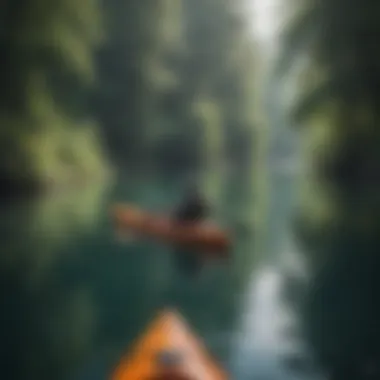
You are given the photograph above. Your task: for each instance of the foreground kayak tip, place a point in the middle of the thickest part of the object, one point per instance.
(168, 351)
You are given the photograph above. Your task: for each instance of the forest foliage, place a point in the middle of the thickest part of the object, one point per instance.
(334, 43)
(336, 107)
(165, 83)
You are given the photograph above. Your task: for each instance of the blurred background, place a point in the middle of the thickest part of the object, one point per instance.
(270, 107)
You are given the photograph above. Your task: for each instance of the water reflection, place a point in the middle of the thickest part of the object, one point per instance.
(47, 321)
(32, 233)
(271, 341)
(73, 299)
(341, 310)
(270, 344)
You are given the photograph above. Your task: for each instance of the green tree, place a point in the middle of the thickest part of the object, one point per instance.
(47, 74)
(160, 62)
(337, 102)
(337, 98)
(132, 69)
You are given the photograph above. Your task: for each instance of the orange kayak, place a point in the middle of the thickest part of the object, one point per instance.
(168, 351)
(200, 236)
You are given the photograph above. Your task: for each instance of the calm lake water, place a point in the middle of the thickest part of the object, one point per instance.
(73, 297)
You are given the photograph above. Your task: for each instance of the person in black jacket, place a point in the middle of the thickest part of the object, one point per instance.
(191, 210)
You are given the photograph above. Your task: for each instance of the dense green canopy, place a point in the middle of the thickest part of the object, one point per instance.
(166, 83)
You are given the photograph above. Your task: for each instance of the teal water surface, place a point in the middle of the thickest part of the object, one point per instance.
(74, 297)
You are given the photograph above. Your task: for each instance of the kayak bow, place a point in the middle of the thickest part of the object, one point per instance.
(168, 351)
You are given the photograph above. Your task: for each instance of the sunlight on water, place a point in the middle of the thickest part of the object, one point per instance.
(263, 312)
(262, 344)
(257, 338)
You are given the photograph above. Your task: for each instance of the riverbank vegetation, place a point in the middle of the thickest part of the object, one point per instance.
(336, 109)
(131, 83)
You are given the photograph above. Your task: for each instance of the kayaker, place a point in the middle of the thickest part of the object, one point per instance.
(191, 210)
